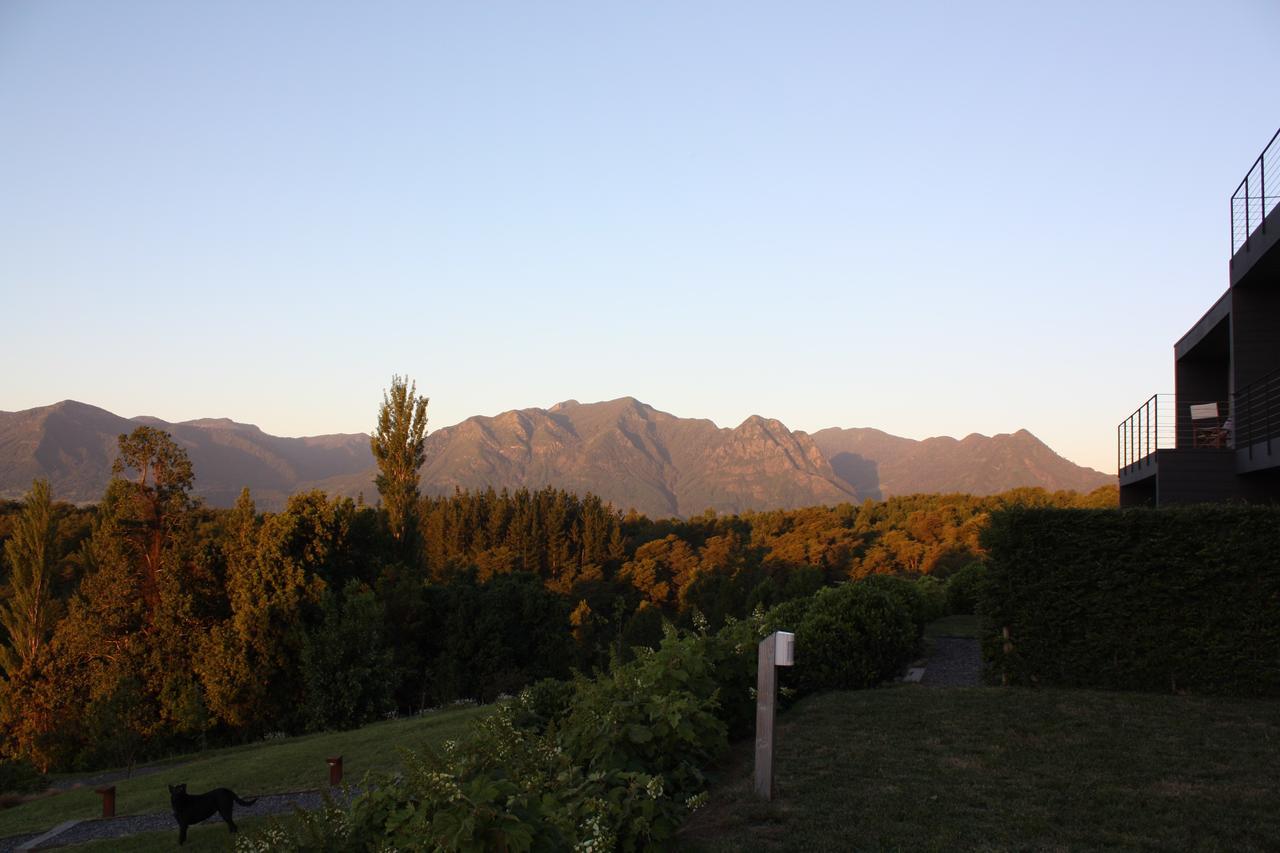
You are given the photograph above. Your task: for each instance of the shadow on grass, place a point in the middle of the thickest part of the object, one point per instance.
(911, 768)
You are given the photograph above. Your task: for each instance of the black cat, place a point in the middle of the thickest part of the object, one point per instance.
(193, 808)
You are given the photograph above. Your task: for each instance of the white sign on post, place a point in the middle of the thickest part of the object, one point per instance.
(777, 649)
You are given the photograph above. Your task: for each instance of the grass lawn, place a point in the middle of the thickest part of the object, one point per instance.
(955, 626)
(915, 768)
(290, 764)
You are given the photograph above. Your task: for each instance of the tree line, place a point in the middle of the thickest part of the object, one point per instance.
(151, 623)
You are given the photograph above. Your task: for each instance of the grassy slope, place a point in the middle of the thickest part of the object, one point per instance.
(915, 768)
(291, 764)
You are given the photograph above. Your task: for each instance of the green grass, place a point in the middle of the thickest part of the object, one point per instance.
(292, 764)
(915, 768)
(955, 626)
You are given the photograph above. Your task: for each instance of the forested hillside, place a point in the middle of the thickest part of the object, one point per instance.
(168, 624)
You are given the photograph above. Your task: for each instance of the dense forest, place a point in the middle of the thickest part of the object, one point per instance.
(149, 623)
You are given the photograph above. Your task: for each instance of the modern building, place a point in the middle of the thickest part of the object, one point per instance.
(1217, 437)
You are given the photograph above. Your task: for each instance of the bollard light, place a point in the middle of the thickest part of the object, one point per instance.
(335, 771)
(785, 648)
(777, 649)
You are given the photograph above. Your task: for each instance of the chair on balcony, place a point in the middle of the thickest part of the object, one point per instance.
(1214, 433)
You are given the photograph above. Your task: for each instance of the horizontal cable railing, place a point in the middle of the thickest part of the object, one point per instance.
(1166, 423)
(1258, 411)
(1147, 430)
(1256, 196)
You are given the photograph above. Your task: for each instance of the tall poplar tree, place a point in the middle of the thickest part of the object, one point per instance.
(28, 614)
(399, 446)
(155, 502)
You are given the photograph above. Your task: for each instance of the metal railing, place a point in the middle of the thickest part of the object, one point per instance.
(1166, 423)
(1258, 411)
(1253, 199)
(1147, 430)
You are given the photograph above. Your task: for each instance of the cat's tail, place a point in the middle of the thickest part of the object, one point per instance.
(247, 802)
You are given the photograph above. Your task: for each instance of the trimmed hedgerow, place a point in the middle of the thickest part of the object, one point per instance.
(1169, 600)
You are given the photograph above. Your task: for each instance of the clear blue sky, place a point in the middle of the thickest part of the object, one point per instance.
(934, 218)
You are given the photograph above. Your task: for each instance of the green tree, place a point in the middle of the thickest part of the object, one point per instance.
(347, 667)
(398, 445)
(28, 616)
(276, 578)
(156, 501)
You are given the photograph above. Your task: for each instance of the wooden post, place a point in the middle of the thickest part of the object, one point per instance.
(777, 649)
(108, 795)
(766, 693)
(335, 771)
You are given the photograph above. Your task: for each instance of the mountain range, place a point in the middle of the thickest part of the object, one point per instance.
(626, 451)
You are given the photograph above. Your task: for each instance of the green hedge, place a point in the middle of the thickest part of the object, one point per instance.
(1169, 600)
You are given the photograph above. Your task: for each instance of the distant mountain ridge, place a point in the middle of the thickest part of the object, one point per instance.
(73, 445)
(626, 451)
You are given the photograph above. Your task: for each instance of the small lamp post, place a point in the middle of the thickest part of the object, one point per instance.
(777, 649)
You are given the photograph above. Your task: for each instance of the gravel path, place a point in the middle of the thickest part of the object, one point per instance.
(115, 827)
(955, 662)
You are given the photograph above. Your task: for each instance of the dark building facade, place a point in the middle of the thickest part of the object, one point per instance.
(1217, 437)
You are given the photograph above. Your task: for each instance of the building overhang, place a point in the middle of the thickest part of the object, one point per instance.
(1220, 311)
(1257, 255)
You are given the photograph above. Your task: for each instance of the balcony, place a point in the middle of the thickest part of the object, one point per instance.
(1253, 200)
(1174, 451)
(1163, 423)
(1257, 435)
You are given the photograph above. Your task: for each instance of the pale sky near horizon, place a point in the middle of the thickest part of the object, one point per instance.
(932, 218)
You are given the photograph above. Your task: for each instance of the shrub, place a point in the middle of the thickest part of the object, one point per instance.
(934, 591)
(964, 588)
(19, 777)
(852, 636)
(1178, 599)
(656, 714)
(617, 765)
(620, 771)
(731, 654)
(543, 703)
(505, 788)
(788, 615)
(910, 594)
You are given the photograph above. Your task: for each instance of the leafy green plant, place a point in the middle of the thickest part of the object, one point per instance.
(20, 777)
(964, 588)
(910, 594)
(504, 788)
(657, 714)
(543, 703)
(346, 665)
(852, 636)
